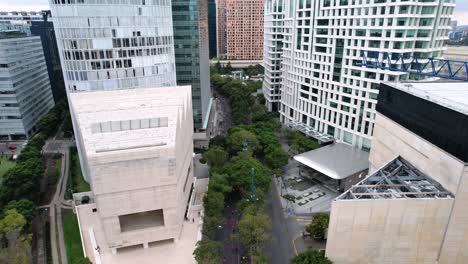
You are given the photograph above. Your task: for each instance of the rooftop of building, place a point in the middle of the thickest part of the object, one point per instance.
(456, 50)
(397, 179)
(13, 33)
(452, 95)
(337, 161)
(121, 120)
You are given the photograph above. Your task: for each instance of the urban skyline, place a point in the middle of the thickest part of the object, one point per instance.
(460, 13)
(234, 131)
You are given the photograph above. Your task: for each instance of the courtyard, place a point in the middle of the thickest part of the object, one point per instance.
(300, 195)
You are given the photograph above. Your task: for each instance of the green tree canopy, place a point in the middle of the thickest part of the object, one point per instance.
(318, 225)
(235, 141)
(216, 156)
(254, 229)
(213, 203)
(276, 158)
(208, 252)
(24, 207)
(310, 257)
(239, 173)
(219, 183)
(218, 141)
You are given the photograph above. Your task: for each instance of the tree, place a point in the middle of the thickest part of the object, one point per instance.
(236, 139)
(217, 80)
(318, 225)
(208, 252)
(18, 249)
(254, 229)
(228, 69)
(276, 158)
(218, 67)
(24, 207)
(218, 141)
(210, 226)
(213, 203)
(311, 257)
(216, 156)
(219, 183)
(239, 173)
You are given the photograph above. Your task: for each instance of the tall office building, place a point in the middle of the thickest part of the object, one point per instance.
(138, 157)
(191, 45)
(24, 85)
(321, 86)
(221, 28)
(272, 50)
(240, 29)
(45, 29)
(244, 29)
(18, 21)
(212, 28)
(122, 45)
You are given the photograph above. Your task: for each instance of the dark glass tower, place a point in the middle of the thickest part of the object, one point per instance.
(45, 30)
(190, 23)
(212, 28)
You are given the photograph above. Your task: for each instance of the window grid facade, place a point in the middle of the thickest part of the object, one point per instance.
(272, 50)
(25, 92)
(190, 21)
(244, 29)
(129, 47)
(322, 87)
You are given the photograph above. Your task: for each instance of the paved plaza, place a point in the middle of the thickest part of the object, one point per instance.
(309, 197)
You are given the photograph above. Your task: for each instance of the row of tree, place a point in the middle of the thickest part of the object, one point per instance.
(251, 143)
(20, 189)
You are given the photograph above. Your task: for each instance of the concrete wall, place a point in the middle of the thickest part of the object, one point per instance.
(455, 248)
(129, 171)
(391, 140)
(387, 231)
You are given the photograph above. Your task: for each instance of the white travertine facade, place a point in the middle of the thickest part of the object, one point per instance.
(391, 139)
(137, 152)
(110, 45)
(321, 86)
(410, 230)
(387, 231)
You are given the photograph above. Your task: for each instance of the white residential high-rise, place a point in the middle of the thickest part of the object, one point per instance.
(123, 45)
(322, 87)
(272, 50)
(25, 90)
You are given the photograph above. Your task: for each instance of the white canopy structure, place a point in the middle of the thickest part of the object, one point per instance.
(337, 161)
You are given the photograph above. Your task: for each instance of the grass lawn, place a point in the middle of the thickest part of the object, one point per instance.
(75, 183)
(79, 184)
(5, 164)
(72, 237)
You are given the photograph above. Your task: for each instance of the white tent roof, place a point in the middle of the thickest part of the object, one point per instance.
(337, 161)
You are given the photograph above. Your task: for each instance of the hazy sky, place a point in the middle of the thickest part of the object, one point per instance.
(460, 14)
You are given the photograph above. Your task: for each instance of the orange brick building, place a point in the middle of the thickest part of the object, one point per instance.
(243, 20)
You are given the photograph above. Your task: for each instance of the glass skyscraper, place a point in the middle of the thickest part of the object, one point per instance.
(212, 27)
(190, 23)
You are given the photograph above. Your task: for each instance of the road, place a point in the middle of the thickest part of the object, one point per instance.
(59, 254)
(223, 112)
(281, 249)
